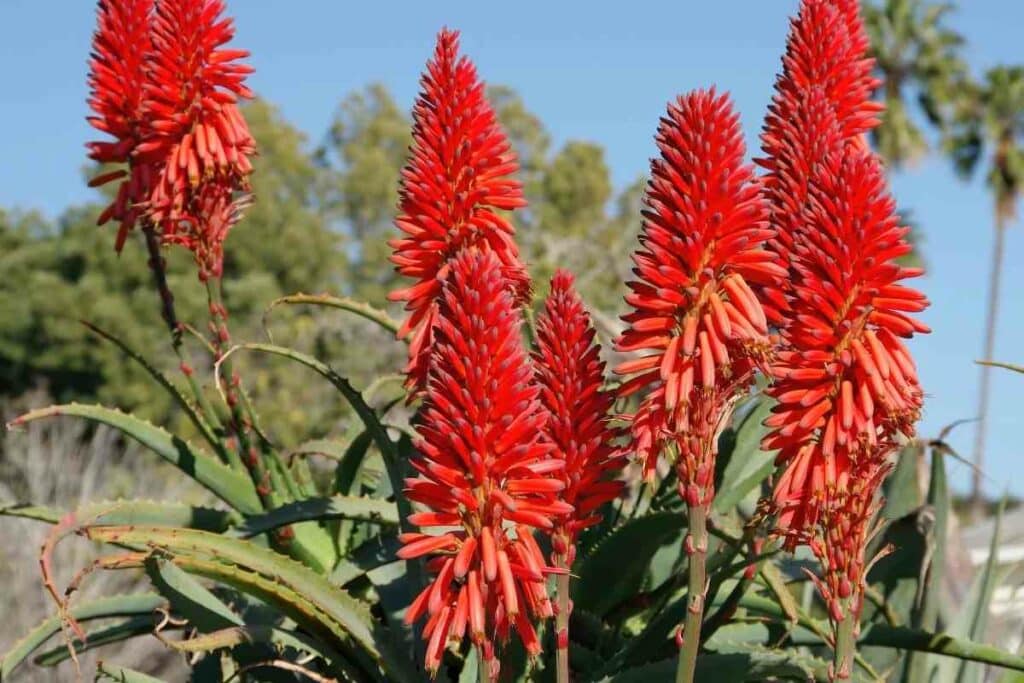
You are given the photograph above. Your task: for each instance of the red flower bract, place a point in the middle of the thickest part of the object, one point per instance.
(570, 373)
(693, 308)
(199, 138)
(117, 74)
(485, 471)
(456, 182)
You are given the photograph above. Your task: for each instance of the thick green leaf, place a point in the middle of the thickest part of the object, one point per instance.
(119, 674)
(134, 512)
(368, 416)
(347, 473)
(901, 490)
(108, 635)
(230, 486)
(189, 598)
(738, 666)
(972, 620)
(926, 615)
(747, 464)
(170, 387)
(336, 507)
(628, 554)
(277, 639)
(105, 608)
(305, 595)
(363, 310)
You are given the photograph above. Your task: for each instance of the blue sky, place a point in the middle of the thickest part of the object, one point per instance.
(594, 71)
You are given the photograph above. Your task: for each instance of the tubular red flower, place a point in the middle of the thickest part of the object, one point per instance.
(693, 308)
(570, 373)
(117, 75)
(199, 140)
(482, 463)
(453, 188)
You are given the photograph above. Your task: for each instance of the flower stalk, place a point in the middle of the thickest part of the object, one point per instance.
(697, 554)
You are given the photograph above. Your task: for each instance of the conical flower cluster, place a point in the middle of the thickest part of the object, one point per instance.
(694, 314)
(453, 192)
(571, 375)
(846, 386)
(199, 137)
(486, 476)
(165, 87)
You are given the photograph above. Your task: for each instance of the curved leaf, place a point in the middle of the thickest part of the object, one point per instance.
(1005, 366)
(116, 633)
(638, 553)
(363, 310)
(119, 674)
(104, 608)
(170, 387)
(302, 593)
(899, 637)
(133, 512)
(747, 465)
(189, 598)
(230, 486)
(336, 507)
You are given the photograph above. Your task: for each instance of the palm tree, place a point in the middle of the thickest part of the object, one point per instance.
(989, 130)
(914, 53)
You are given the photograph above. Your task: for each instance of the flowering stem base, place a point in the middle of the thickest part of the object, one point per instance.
(697, 549)
(562, 627)
(845, 647)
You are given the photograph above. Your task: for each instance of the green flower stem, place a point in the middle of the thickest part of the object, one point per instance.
(158, 267)
(697, 549)
(562, 623)
(240, 425)
(845, 643)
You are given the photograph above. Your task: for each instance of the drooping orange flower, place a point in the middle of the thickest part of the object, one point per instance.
(694, 313)
(200, 142)
(453, 191)
(486, 479)
(117, 74)
(570, 373)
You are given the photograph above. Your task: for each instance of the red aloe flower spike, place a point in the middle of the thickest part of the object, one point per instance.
(117, 76)
(482, 463)
(823, 97)
(453, 190)
(701, 247)
(199, 138)
(693, 307)
(570, 373)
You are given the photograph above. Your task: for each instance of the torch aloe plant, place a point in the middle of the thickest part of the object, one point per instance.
(504, 533)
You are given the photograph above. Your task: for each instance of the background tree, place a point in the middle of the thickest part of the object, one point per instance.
(989, 133)
(916, 55)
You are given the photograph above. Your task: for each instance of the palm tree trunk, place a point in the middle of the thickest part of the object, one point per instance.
(995, 276)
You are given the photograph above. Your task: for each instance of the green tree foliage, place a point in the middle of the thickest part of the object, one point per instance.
(54, 274)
